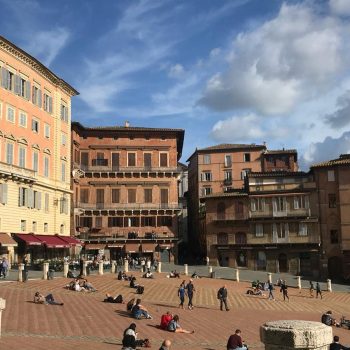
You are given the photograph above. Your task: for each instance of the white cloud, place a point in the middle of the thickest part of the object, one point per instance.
(215, 52)
(340, 7)
(176, 71)
(329, 148)
(245, 128)
(341, 116)
(46, 45)
(283, 62)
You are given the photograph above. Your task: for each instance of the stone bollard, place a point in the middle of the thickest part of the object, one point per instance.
(65, 268)
(329, 285)
(126, 265)
(20, 272)
(100, 267)
(295, 334)
(159, 267)
(84, 268)
(45, 270)
(299, 282)
(210, 270)
(269, 277)
(186, 269)
(113, 266)
(236, 275)
(2, 307)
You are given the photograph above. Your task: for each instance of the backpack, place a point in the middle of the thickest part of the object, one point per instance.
(140, 289)
(119, 299)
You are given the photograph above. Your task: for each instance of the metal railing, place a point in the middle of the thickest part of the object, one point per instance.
(123, 206)
(117, 168)
(16, 170)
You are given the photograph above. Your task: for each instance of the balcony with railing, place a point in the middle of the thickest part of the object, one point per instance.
(101, 166)
(128, 206)
(288, 238)
(268, 212)
(17, 173)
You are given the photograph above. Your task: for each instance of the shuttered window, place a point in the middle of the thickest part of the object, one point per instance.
(164, 198)
(131, 159)
(46, 202)
(147, 160)
(3, 193)
(131, 195)
(84, 195)
(148, 195)
(115, 195)
(163, 160)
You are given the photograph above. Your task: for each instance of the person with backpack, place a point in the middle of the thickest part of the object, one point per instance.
(222, 296)
(271, 288)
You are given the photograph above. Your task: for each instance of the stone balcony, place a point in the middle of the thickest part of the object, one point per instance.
(17, 173)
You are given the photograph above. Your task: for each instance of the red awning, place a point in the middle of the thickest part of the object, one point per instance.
(29, 238)
(6, 240)
(148, 247)
(95, 246)
(132, 247)
(53, 241)
(71, 241)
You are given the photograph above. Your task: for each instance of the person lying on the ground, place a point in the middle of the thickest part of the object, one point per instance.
(138, 311)
(165, 319)
(329, 320)
(255, 291)
(118, 299)
(49, 299)
(174, 326)
(88, 286)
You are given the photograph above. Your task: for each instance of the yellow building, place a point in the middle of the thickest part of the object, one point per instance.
(35, 137)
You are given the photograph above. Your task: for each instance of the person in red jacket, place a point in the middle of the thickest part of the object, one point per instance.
(235, 342)
(165, 319)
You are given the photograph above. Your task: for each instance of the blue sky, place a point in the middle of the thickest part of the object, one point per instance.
(227, 71)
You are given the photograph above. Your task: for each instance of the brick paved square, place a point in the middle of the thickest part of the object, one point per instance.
(85, 321)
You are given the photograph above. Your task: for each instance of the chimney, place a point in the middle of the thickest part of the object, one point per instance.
(127, 124)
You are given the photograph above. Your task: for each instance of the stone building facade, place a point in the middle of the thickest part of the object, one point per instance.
(126, 189)
(35, 129)
(222, 169)
(333, 184)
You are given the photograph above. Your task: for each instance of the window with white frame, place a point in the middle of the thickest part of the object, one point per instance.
(9, 153)
(330, 175)
(22, 119)
(64, 112)
(206, 191)
(206, 158)
(10, 115)
(47, 103)
(228, 175)
(34, 226)
(63, 139)
(22, 87)
(228, 160)
(47, 130)
(259, 230)
(7, 79)
(22, 157)
(35, 125)
(244, 173)
(23, 225)
(37, 96)
(246, 157)
(301, 202)
(280, 230)
(46, 227)
(303, 229)
(46, 166)
(63, 172)
(35, 161)
(279, 204)
(206, 176)
(257, 204)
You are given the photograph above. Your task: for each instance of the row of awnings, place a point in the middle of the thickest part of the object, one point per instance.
(128, 247)
(49, 241)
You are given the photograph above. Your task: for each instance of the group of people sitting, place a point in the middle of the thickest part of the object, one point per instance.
(130, 341)
(133, 284)
(328, 319)
(148, 274)
(174, 274)
(171, 323)
(122, 276)
(81, 285)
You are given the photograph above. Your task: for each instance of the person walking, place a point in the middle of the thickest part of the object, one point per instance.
(311, 288)
(270, 288)
(222, 296)
(336, 345)
(190, 290)
(4, 267)
(284, 290)
(181, 293)
(318, 290)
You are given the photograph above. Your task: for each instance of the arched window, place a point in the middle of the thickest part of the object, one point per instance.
(221, 210)
(222, 238)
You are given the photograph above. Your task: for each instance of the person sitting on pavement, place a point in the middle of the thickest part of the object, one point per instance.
(194, 275)
(133, 283)
(235, 342)
(148, 274)
(165, 319)
(78, 287)
(174, 326)
(165, 345)
(131, 331)
(138, 311)
(329, 320)
(336, 345)
(174, 274)
(48, 300)
(118, 299)
(130, 304)
(120, 276)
